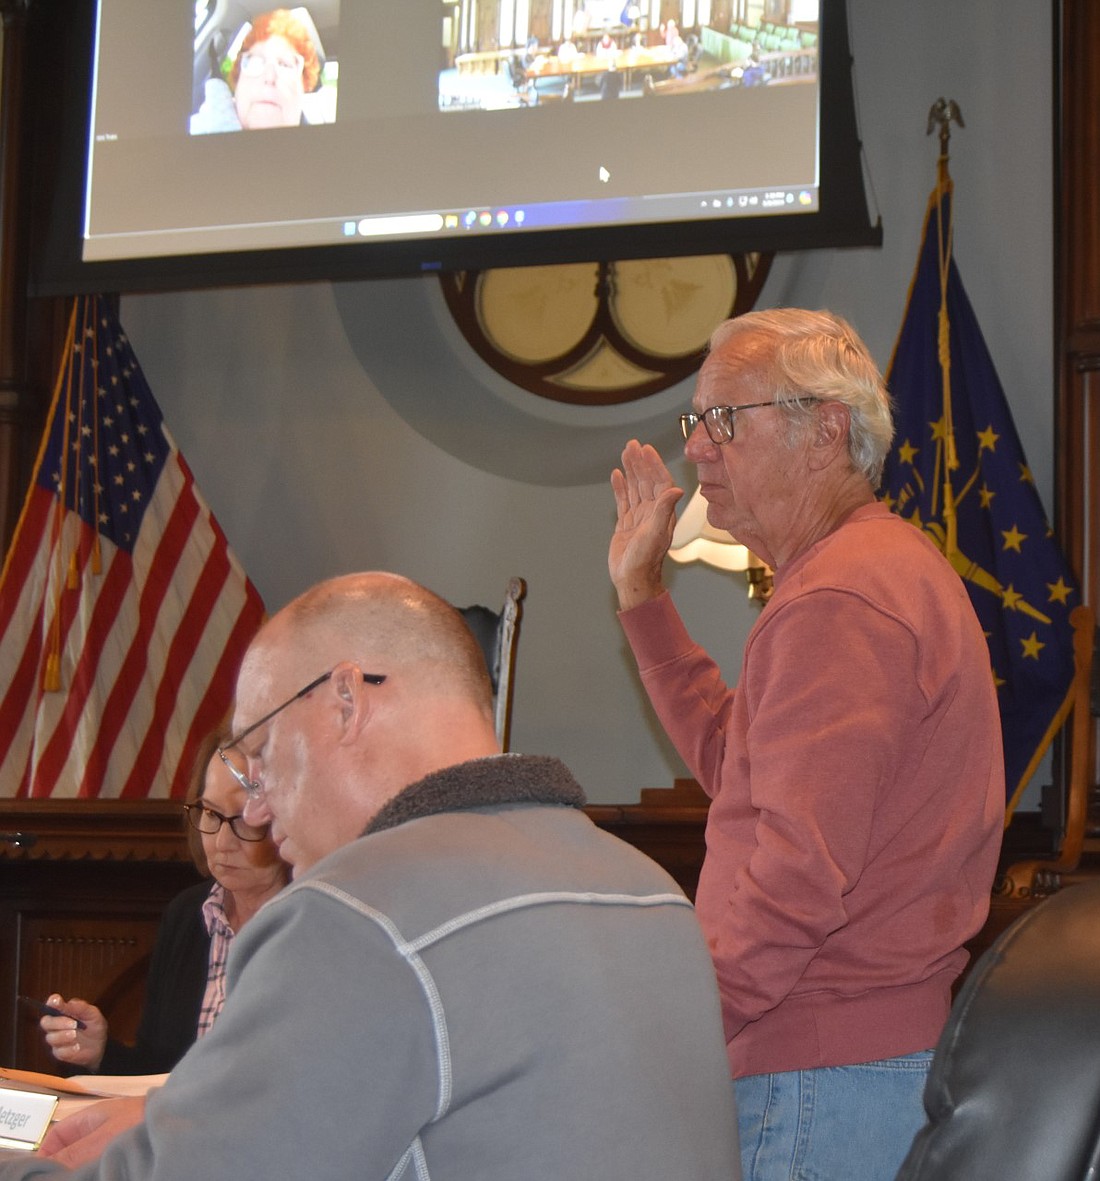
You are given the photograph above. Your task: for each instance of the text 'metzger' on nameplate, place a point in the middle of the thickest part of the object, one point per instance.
(24, 1118)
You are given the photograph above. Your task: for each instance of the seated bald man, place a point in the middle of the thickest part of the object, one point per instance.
(466, 978)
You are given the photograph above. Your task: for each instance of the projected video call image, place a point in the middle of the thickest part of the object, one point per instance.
(256, 68)
(500, 57)
(421, 101)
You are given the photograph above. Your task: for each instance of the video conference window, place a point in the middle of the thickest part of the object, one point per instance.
(261, 69)
(399, 163)
(608, 49)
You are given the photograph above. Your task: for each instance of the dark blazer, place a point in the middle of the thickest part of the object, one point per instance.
(173, 993)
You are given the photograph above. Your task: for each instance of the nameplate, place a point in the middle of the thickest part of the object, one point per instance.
(24, 1118)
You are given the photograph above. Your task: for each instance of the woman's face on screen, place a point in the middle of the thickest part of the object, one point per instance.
(269, 85)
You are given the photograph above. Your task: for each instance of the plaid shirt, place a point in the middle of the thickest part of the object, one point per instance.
(221, 935)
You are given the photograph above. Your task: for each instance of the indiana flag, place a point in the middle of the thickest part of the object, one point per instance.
(958, 472)
(123, 613)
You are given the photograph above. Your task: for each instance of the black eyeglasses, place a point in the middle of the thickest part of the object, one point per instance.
(250, 785)
(718, 421)
(209, 820)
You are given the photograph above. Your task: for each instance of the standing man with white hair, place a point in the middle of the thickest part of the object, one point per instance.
(855, 769)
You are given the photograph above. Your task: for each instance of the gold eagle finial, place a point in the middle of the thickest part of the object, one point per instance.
(944, 112)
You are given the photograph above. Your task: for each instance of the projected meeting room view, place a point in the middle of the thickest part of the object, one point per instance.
(509, 54)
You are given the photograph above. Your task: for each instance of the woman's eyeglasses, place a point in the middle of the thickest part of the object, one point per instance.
(209, 820)
(286, 65)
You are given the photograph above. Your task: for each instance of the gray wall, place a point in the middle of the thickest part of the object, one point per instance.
(349, 427)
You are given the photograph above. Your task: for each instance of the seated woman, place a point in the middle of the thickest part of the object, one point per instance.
(277, 65)
(186, 983)
(568, 51)
(606, 47)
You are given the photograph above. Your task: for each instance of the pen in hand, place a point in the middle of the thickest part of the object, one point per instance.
(50, 1010)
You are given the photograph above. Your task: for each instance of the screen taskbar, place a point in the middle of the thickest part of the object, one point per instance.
(608, 211)
(537, 215)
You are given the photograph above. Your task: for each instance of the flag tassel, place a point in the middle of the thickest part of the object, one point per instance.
(51, 678)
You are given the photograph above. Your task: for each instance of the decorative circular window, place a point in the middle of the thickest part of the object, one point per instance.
(602, 333)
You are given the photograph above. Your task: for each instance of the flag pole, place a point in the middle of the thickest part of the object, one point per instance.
(51, 670)
(944, 112)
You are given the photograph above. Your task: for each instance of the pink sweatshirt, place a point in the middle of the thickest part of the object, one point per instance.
(858, 796)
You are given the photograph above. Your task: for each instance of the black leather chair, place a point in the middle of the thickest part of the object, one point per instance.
(1014, 1091)
(611, 84)
(517, 71)
(498, 633)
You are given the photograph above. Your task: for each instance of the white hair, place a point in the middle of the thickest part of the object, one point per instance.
(805, 354)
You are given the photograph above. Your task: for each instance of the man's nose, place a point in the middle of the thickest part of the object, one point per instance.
(698, 446)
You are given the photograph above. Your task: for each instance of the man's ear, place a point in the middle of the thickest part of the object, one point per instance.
(834, 421)
(347, 683)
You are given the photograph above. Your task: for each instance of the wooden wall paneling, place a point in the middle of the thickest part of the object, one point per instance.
(1077, 310)
(121, 830)
(31, 330)
(1078, 291)
(103, 960)
(82, 928)
(667, 824)
(79, 908)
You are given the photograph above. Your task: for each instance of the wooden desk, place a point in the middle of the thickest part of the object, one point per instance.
(487, 62)
(590, 65)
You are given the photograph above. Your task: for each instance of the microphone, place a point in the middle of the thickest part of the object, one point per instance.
(21, 840)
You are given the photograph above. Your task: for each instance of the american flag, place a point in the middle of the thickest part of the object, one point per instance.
(123, 612)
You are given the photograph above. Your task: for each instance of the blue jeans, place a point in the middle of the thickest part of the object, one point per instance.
(837, 1123)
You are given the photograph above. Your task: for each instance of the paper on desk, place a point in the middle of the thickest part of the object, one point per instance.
(90, 1086)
